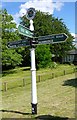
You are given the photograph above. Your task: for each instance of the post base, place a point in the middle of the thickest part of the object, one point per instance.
(34, 108)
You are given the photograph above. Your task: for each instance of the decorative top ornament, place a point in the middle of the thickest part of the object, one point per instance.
(30, 13)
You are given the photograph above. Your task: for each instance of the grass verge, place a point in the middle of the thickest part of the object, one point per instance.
(56, 97)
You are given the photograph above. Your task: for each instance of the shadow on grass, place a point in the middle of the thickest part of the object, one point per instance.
(13, 111)
(28, 68)
(49, 117)
(12, 71)
(7, 72)
(71, 82)
(41, 117)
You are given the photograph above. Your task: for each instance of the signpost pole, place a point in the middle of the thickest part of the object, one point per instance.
(49, 39)
(33, 76)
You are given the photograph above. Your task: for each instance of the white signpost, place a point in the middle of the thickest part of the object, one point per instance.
(33, 76)
(31, 41)
(30, 15)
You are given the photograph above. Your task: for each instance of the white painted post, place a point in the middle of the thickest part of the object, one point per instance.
(33, 76)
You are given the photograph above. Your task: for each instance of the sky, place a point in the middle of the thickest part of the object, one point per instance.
(64, 10)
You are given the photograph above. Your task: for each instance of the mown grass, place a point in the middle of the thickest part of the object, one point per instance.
(14, 78)
(56, 97)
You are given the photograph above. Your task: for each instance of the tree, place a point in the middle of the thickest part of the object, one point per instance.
(43, 56)
(46, 24)
(43, 24)
(60, 49)
(0, 43)
(10, 57)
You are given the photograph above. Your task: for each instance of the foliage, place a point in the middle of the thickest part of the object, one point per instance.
(43, 56)
(44, 24)
(61, 49)
(25, 52)
(53, 65)
(10, 57)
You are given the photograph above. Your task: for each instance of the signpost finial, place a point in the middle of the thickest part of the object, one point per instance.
(30, 13)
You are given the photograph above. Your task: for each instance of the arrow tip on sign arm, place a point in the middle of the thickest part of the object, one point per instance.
(66, 36)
